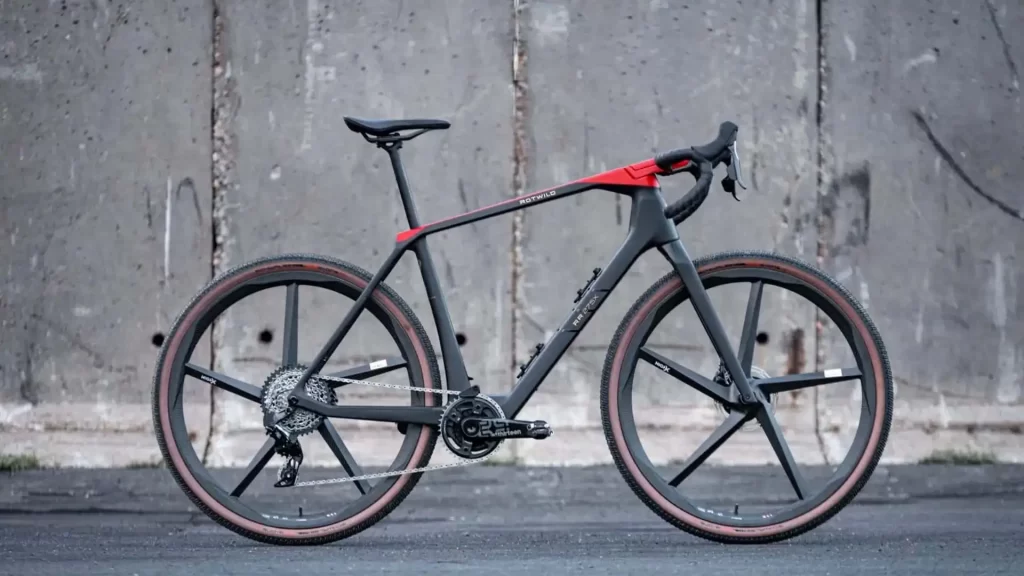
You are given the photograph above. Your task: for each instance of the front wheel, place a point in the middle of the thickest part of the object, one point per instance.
(860, 388)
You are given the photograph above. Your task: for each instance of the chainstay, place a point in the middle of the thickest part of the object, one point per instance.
(386, 385)
(462, 462)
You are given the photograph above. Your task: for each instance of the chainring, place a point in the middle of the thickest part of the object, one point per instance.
(451, 426)
(274, 399)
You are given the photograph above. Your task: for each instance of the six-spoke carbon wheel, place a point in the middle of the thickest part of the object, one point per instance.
(231, 311)
(794, 394)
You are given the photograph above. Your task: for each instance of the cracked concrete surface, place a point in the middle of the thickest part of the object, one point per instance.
(520, 163)
(996, 15)
(224, 180)
(823, 220)
(105, 156)
(951, 162)
(939, 266)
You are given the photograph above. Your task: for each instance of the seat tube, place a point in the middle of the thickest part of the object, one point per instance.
(454, 365)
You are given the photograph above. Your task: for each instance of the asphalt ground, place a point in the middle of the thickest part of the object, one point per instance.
(506, 520)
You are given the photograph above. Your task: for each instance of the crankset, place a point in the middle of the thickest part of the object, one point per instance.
(474, 425)
(490, 428)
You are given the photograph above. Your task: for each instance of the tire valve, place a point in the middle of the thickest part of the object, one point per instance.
(735, 510)
(300, 511)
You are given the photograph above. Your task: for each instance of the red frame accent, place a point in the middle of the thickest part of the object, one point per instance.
(406, 234)
(632, 175)
(638, 174)
(648, 167)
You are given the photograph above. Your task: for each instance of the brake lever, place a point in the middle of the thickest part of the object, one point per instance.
(734, 173)
(735, 170)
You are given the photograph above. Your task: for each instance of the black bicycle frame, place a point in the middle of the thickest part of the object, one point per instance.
(648, 228)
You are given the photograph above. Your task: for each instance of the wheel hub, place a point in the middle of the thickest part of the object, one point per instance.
(451, 426)
(756, 373)
(274, 399)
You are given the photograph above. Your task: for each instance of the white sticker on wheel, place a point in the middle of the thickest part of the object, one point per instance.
(378, 364)
(833, 373)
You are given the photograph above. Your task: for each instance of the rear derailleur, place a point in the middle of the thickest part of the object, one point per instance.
(287, 445)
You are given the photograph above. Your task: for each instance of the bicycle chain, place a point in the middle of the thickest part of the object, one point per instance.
(460, 463)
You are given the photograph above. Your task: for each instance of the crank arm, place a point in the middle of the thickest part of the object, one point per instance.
(491, 428)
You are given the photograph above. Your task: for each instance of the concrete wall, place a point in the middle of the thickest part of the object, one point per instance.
(303, 182)
(614, 83)
(924, 215)
(105, 163)
(904, 187)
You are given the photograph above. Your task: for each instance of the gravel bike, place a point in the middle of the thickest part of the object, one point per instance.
(298, 399)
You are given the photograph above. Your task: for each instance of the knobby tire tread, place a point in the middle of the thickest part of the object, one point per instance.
(435, 378)
(608, 387)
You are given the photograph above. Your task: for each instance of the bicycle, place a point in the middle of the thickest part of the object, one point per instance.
(297, 400)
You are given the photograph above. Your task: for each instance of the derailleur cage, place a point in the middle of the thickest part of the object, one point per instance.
(285, 444)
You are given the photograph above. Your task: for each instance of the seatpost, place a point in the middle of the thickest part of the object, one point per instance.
(403, 186)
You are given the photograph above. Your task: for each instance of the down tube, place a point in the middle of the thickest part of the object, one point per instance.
(637, 242)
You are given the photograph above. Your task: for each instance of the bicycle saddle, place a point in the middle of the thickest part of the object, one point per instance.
(385, 127)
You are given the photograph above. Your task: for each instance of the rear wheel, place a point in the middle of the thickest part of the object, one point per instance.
(811, 496)
(245, 500)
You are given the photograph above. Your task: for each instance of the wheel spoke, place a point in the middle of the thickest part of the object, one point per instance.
(798, 381)
(348, 462)
(774, 433)
(255, 467)
(243, 389)
(290, 354)
(370, 370)
(733, 423)
(749, 335)
(701, 384)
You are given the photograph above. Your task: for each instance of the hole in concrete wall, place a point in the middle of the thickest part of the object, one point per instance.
(158, 339)
(762, 338)
(266, 336)
(460, 338)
